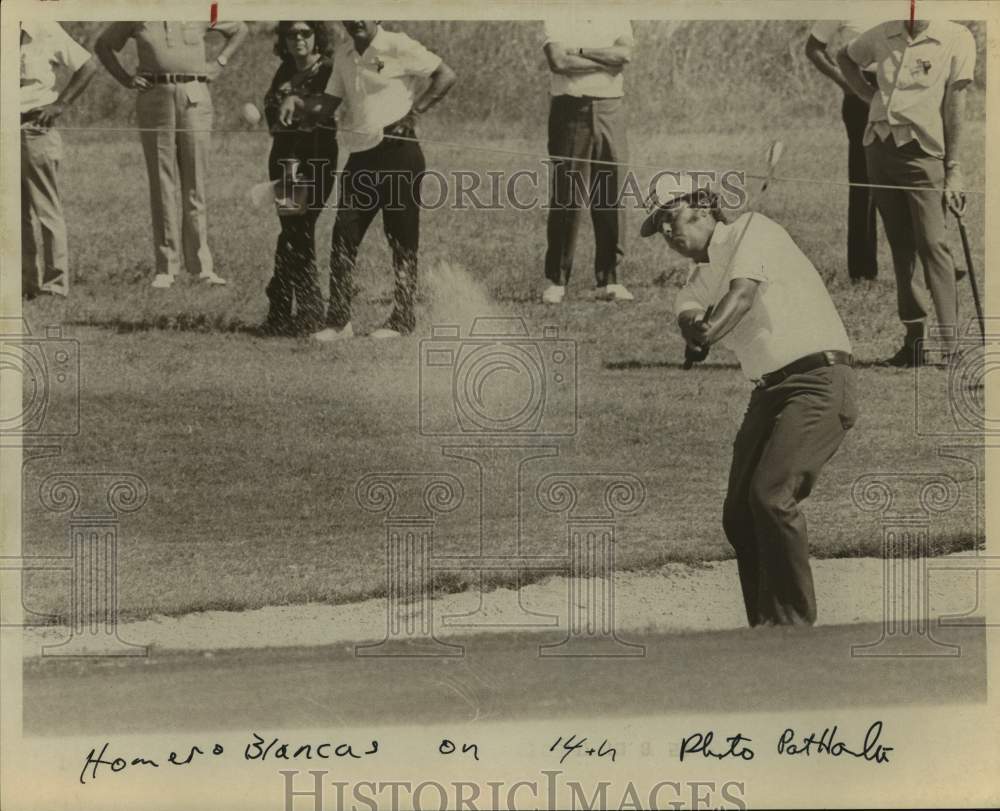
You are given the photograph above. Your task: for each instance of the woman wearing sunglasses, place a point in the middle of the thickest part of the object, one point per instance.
(304, 159)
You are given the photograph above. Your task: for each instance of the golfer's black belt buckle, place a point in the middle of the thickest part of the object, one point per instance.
(805, 364)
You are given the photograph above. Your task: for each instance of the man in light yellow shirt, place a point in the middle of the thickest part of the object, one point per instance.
(913, 139)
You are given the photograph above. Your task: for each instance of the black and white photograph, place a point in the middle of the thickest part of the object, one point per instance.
(498, 406)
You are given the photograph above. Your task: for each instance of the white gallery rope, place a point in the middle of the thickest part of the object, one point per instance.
(528, 154)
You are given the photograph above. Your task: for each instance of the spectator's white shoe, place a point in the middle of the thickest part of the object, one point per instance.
(554, 294)
(331, 334)
(211, 278)
(613, 292)
(161, 281)
(385, 332)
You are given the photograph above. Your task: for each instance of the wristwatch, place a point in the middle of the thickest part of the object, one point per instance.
(222, 59)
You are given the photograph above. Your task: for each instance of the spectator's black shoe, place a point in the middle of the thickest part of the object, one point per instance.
(907, 357)
(274, 328)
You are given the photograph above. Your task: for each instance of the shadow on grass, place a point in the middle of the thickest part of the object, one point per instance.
(168, 322)
(625, 365)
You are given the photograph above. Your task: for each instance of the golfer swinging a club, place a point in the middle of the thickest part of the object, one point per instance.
(766, 302)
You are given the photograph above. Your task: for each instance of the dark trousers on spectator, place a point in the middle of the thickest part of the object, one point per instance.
(41, 211)
(582, 130)
(384, 178)
(862, 237)
(789, 432)
(915, 226)
(295, 280)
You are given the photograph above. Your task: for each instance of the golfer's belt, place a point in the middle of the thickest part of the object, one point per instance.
(175, 78)
(809, 363)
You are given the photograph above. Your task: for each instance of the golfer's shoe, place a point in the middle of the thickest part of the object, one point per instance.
(613, 292)
(385, 332)
(331, 334)
(161, 281)
(211, 278)
(554, 294)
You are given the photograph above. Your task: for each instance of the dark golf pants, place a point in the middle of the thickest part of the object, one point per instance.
(915, 226)
(862, 237)
(583, 130)
(789, 432)
(384, 178)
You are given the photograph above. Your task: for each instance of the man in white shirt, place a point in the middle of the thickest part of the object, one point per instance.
(588, 146)
(771, 308)
(826, 38)
(381, 82)
(45, 46)
(914, 139)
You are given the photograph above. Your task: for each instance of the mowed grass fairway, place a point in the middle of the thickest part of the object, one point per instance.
(251, 448)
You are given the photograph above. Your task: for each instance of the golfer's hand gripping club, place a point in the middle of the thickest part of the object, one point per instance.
(693, 354)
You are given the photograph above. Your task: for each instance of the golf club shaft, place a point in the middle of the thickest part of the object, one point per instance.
(972, 275)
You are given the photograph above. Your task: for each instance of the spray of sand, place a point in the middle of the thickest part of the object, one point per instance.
(455, 297)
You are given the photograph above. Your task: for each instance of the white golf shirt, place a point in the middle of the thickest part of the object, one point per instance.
(792, 314)
(45, 46)
(600, 33)
(837, 34)
(378, 87)
(913, 77)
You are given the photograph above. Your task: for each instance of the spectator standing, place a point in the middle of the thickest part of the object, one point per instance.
(384, 80)
(914, 140)
(45, 46)
(175, 114)
(304, 158)
(588, 147)
(826, 38)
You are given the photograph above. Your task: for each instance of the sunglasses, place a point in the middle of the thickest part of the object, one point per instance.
(299, 33)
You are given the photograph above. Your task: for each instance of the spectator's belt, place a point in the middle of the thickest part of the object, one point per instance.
(808, 363)
(175, 78)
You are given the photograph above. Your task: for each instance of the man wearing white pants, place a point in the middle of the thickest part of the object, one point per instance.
(174, 113)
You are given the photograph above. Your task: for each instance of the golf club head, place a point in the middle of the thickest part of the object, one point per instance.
(774, 153)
